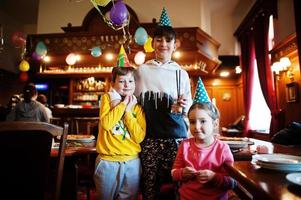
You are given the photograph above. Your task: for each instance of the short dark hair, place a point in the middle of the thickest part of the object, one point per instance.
(29, 91)
(121, 71)
(165, 31)
(42, 99)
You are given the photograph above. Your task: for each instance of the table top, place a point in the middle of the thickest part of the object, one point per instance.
(77, 148)
(265, 183)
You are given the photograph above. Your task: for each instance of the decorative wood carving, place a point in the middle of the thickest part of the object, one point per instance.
(285, 48)
(199, 50)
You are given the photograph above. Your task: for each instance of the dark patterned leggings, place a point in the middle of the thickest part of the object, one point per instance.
(157, 158)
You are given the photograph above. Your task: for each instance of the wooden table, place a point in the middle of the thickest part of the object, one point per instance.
(73, 153)
(78, 148)
(259, 183)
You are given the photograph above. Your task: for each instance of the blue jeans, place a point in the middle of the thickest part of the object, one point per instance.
(117, 180)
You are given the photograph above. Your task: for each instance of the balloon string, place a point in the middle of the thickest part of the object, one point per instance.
(109, 23)
(124, 33)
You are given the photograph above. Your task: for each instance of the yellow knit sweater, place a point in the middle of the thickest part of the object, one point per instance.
(120, 133)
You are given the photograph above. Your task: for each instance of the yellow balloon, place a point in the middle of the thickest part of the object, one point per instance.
(24, 66)
(148, 45)
(102, 2)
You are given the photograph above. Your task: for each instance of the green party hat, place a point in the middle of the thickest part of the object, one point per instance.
(164, 19)
(122, 60)
(201, 95)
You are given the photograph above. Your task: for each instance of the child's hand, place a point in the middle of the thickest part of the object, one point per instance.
(178, 105)
(188, 173)
(126, 100)
(182, 101)
(131, 103)
(203, 176)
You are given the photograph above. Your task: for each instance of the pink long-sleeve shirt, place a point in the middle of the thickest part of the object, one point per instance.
(212, 157)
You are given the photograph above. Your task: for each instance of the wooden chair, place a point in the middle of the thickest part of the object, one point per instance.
(82, 124)
(25, 153)
(59, 121)
(86, 163)
(56, 121)
(92, 128)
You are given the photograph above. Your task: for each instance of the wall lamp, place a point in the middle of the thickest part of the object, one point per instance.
(281, 65)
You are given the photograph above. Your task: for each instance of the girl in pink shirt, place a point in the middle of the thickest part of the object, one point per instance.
(199, 162)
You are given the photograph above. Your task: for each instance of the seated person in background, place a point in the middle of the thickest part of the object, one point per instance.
(29, 109)
(291, 135)
(121, 130)
(200, 159)
(16, 98)
(43, 100)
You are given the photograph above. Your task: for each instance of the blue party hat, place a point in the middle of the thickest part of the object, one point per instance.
(201, 95)
(164, 19)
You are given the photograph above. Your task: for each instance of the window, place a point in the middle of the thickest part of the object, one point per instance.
(260, 114)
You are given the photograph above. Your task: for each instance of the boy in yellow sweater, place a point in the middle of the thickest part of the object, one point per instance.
(121, 130)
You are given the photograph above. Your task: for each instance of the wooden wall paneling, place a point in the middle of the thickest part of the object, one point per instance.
(288, 48)
(293, 109)
(229, 98)
(238, 85)
(210, 92)
(240, 100)
(227, 103)
(71, 91)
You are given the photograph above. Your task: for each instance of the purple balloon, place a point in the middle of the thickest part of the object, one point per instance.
(119, 13)
(36, 56)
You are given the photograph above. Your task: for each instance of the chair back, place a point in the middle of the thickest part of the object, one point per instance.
(25, 153)
(83, 124)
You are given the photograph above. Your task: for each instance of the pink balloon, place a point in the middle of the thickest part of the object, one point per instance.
(18, 39)
(119, 13)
